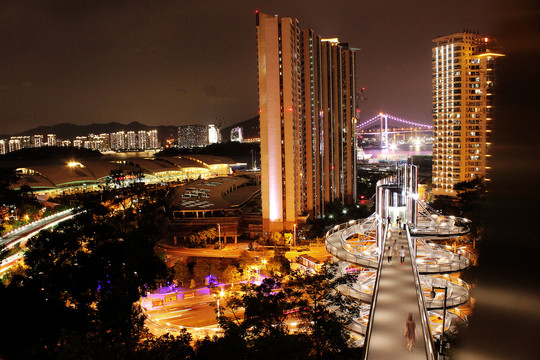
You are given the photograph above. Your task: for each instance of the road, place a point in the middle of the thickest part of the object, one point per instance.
(21, 235)
(234, 251)
(230, 251)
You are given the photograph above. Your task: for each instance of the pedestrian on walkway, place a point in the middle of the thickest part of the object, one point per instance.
(402, 255)
(389, 254)
(398, 221)
(410, 332)
(389, 220)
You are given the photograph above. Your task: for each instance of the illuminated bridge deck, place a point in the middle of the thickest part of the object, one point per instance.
(396, 299)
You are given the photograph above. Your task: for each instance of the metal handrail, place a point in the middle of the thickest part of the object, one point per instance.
(374, 299)
(426, 330)
(339, 251)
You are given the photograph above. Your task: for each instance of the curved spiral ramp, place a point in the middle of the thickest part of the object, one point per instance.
(354, 245)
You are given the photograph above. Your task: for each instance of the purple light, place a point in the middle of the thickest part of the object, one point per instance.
(379, 117)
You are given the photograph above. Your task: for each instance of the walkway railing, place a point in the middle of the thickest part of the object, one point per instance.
(374, 301)
(336, 241)
(424, 317)
(458, 292)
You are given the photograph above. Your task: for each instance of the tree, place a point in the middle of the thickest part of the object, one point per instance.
(245, 260)
(324, 311)
(231, 274)
(321, 311)
(262, 329)
(80, 286)
(182, 273)
(204, 267)
(166, 347)
(202, 237)
(470, 192)
(275, 238)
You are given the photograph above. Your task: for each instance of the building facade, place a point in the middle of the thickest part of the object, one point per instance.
(51, 139)
(190, 136)
(463, 83)
(307, 124)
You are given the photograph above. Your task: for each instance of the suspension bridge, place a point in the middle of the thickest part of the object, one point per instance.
(387, 126)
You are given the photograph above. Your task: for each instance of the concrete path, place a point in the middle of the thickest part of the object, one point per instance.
(396, 299)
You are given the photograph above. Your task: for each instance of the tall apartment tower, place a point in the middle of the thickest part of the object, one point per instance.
(307, 125)
(464, 66)
(38, 141)
(51, 139)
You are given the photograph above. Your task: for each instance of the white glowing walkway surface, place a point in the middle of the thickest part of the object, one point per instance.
(396, 299)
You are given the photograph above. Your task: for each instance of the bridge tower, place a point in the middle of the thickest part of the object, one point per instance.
(384, 130)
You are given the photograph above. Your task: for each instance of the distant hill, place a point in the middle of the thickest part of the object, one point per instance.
(250, 129)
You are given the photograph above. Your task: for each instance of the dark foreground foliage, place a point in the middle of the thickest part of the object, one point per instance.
(77, 298)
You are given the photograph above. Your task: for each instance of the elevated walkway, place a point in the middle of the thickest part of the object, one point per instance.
(396, 299)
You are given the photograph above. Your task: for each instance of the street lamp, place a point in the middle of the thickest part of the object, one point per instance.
(294, 236)
(219, 296)
(432, 293)
(219, 235)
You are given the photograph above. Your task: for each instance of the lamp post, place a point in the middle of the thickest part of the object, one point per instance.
(444, 311)
(294, 236)
(219, 235)
(219, 296)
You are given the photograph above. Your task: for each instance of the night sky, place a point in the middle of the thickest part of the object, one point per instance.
(183, 62)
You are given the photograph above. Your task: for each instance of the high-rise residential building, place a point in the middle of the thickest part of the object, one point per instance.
(190, 136)
(213, 134)
(23, 141)
(153, 142)
(14, 144)
(117, 140)
(105, 137)
(131, 140)
(237, 134)
(38, 140)
(464, 66)
(51, 139)
(142, 140)
(307, 122)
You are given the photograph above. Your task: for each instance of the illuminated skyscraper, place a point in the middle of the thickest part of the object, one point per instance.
(153, 142)
(14, 144)
(38, 141)
(464, 83)
(117, 140)
(307, 124)
(190, 136)
(142, 140)
(131, 140)
(213, 134)
(237, 134)
(51, 139)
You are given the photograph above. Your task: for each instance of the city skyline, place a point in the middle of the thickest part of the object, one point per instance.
(99, 63)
